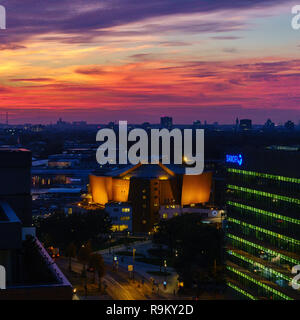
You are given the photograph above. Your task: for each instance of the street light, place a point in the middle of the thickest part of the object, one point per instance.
(165, 265)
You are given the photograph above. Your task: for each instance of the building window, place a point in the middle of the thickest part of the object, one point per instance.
(125, 218)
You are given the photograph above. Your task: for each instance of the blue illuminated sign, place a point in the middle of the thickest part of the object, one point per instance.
(234, 159)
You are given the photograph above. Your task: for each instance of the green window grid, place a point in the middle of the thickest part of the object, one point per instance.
(264, 175)
(243, 292)
(264, 194)
(263, 212)
(266, 287)
(271, 233)
(241, 257)
(259, 247)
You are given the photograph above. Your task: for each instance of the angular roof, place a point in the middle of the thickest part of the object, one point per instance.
(146, 171)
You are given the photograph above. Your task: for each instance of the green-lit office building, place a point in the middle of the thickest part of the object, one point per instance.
(263, 222)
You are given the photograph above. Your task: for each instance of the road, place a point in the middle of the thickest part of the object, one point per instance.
(118, 285)
(142, 268)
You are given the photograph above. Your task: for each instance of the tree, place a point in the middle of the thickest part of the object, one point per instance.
(97, 262)
(77, 228)
(71, 253)
(199, 248)
(47, 240)
(84, 256)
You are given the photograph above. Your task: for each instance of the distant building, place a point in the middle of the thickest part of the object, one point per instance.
(121, 216)
(210, 215)
(245, 124)
(197, 124)
(30, 272)
(147, 187)
(60, 122)
(111, 125)
(64, 160)
(269, 125)
(146, 125)
(289, 125)
(166, 122)
(79, 123)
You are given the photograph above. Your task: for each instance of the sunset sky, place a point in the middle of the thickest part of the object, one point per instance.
(136, 60)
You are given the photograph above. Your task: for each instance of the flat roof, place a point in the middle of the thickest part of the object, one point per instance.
(270, 161)
(15, 157)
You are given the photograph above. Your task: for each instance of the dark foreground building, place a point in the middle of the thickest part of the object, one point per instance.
(29, 271)
(263, 223)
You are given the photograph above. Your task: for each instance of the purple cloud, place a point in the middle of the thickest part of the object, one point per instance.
(84, 19)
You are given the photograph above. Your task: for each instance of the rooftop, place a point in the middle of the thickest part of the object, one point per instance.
(146, 171)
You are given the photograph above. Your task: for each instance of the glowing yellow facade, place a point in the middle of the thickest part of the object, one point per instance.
(105, 189)
(148, 188)
(196, 188)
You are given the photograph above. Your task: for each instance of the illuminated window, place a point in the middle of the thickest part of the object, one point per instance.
(121, 227)
(259, 247)
(264, 194)
(165, 216)
(263, 285)
(264, 175)
(255, 263)
(265, 231)
(125, 218)
(248, 295)
(263, 212)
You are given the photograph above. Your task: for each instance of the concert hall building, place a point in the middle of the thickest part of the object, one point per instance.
(148, 187)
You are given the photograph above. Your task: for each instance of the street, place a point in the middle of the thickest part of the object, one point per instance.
(117, 283)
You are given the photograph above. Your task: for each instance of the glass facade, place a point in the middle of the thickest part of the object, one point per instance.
(263, 234)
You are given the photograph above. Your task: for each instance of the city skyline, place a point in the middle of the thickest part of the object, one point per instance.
(100, 61)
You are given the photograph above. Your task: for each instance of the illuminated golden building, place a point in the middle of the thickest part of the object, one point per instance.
(105, 189)
(196, 188)
(147, 187)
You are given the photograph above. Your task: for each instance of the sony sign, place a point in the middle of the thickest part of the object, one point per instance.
(238, 159)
